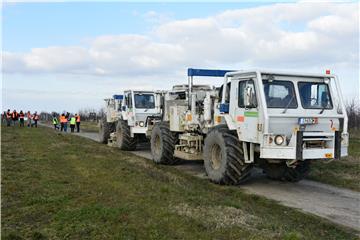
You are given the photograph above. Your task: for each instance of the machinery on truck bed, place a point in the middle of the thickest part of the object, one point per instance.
(129, 117)
(277, 121)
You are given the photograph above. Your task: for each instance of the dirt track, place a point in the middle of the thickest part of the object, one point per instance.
(338, 205)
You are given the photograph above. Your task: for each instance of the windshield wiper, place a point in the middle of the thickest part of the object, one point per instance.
(323, 109)
(287, 106)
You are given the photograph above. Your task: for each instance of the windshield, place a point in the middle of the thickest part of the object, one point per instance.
(314, 95)
(144, 101)
(280, 94)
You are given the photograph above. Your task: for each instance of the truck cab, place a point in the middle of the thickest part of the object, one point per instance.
(139, 108)
(129, 118)
(278, 121)
(288, 116)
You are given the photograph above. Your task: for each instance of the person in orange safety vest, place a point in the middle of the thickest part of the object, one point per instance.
(29, 118)
(8, 118)
(77, 117)
(36, 119)
(15, 117)
(21, 116)
(63, 123)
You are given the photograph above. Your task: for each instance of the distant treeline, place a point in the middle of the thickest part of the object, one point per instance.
(353, 112)
(86, 114)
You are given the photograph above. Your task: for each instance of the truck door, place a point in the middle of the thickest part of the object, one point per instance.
(130, 109)
(246, 112)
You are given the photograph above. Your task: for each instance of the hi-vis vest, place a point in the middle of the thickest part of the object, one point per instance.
(55, 121)
(63, 119)
(78, 118)
(72, 121)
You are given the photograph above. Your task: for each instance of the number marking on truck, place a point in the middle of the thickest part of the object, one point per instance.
(308, 121)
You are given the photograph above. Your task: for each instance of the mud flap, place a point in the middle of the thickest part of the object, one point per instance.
(299, 145)
(337, 145)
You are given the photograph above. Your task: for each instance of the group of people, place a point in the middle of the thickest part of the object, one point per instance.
(64, 119)
(14, 117)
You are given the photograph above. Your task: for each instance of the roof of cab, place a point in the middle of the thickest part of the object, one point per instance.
(282, 73)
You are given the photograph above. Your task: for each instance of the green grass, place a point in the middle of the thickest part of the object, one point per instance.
(342, 173)
(89, 126)
(57, 186)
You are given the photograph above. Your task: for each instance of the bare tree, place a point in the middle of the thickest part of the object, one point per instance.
(353, 112)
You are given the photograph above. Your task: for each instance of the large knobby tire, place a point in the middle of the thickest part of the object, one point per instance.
(223, 157)
(163, 143)
(282, 172)
(105, 128)
(123, 137)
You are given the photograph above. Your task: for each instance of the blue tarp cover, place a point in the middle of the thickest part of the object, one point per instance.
(118, 97)
(207, 72)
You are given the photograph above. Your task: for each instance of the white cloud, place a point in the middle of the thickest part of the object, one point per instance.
(261, 36)
(157, 17)
(302, 36)
(50, 59)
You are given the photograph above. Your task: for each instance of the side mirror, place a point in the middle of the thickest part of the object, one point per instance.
(249, 97)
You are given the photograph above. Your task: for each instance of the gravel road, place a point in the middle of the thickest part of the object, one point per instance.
(338, 205)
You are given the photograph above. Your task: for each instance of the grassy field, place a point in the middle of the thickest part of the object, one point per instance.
(89, 126)
(57, 186)
(343, 173)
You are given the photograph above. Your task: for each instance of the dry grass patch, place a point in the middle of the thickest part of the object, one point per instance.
(218, 216)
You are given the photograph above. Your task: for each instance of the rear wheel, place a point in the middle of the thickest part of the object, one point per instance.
(163, 143)
(123, 137)
(105, 128)
(282, 172)
(224, 158)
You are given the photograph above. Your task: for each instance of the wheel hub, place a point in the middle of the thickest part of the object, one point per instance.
(216, 156)
(157, 145)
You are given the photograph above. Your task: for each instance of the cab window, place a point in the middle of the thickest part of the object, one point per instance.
(144, 101)
(243, 85)
(280, 94)
(315, 95)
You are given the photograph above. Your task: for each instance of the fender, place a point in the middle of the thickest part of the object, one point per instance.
(229, 122)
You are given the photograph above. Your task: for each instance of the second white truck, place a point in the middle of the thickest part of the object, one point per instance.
(128, 118)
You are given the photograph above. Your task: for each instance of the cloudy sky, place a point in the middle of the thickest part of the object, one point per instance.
(67, 56)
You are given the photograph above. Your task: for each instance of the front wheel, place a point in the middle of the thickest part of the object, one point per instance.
(123, 137)
(224, 158)
(105, 128)
(163, 143)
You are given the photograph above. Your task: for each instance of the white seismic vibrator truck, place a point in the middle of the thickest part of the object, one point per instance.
(129, 117)
(278, 121)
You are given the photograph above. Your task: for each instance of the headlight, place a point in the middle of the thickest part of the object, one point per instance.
(279, 140)
(141, 124)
